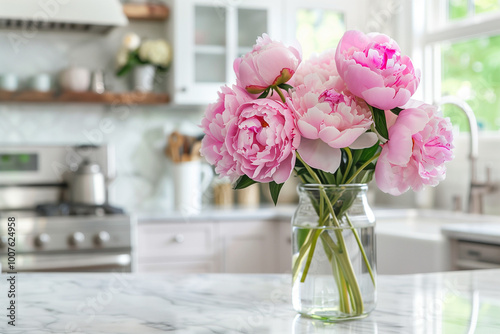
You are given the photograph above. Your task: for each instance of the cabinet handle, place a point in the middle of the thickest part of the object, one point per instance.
(179, 238)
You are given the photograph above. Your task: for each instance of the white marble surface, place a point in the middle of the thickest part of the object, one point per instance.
(454, 302)
(267, 212)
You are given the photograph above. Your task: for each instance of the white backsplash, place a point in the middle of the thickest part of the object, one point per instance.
(138, 138)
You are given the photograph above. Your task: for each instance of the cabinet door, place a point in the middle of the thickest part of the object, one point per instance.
(247, 247)
(175, 241)
(284, 246)
(209, 35)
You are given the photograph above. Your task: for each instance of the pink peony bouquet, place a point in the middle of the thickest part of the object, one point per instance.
(337, 118)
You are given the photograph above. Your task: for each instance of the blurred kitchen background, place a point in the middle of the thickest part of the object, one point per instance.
(456, 43)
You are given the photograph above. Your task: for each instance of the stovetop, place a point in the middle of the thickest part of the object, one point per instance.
(75, 209)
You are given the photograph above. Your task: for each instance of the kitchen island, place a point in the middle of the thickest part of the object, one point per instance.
(451, 302)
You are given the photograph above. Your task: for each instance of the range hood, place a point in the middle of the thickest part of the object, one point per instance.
(97, 16)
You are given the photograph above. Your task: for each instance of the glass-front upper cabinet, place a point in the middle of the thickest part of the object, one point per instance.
(208, 35)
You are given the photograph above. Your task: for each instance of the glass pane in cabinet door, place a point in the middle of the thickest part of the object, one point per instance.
(210, 44)
(210, 68)
(210, 26)
(319, 30)
(252, 23)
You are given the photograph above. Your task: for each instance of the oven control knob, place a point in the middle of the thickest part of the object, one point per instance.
(42, 240)
(101, 238)
(76, 238)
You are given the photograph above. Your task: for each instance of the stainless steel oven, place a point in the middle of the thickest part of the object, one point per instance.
(69, 243)
(52, 233)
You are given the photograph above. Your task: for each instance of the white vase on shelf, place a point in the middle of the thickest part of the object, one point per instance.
(143, 78)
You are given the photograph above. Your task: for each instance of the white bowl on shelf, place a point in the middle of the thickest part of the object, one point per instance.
(76, 79)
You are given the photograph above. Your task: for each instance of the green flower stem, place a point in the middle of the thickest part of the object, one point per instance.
(349, 290)
(337, 275)
(363, 167)
(349, 164)
(312, 248)
(280, 93)
(304, 250)
(362, 249)
(342, 257)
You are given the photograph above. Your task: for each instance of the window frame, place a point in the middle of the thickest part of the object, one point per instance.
(429, 27)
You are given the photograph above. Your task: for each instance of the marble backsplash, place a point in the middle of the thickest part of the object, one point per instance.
(138, 135)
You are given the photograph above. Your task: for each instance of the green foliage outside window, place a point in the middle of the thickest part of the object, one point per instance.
(471, 71)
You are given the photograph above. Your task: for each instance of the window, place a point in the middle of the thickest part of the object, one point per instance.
(461, 47)
(319, 30)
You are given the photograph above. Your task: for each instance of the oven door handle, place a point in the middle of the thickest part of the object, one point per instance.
(92, 261)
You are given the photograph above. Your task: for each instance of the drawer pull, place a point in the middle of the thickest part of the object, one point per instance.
(179, 238)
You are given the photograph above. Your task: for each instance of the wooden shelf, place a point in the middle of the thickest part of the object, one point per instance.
(84, 97)
(153, 12)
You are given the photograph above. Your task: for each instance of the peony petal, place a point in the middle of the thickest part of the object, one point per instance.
(307, 130)
(319, 155)
(285, 169)
(344, 139)
(358, 79)
(386, 98)
(367, 139)
(384, 175)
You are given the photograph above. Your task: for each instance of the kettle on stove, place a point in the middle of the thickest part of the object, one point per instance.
(88, 184)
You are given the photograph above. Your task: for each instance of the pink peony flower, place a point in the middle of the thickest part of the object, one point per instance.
(323, 65)
(262, 140)
(214, 124)
(374, 69)
(420, 142)
(329, 120)
(269, 63)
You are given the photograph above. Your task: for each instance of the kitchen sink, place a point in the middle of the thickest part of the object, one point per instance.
(419, 241)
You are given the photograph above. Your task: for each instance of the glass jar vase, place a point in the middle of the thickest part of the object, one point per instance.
(334, 265)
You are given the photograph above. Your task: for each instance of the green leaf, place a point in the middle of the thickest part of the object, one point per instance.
(243, 182)
(285, 86)
(356, 155)
(338, 179)
(368, 153)
(328, 177)
(380, 122)
(275, 189)
(396, 110)
(264, 94)
(124, 70)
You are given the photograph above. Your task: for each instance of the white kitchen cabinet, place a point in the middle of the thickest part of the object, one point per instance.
(248, 246)
(239, 246)
(207, 36)
(176, 247)
(284, 243)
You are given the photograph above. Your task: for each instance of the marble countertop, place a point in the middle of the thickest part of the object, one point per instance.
(452, 302)
(269, 212)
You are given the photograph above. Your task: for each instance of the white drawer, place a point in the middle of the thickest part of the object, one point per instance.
(175, 241)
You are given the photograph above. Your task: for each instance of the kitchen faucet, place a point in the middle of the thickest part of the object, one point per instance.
(476, 189)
